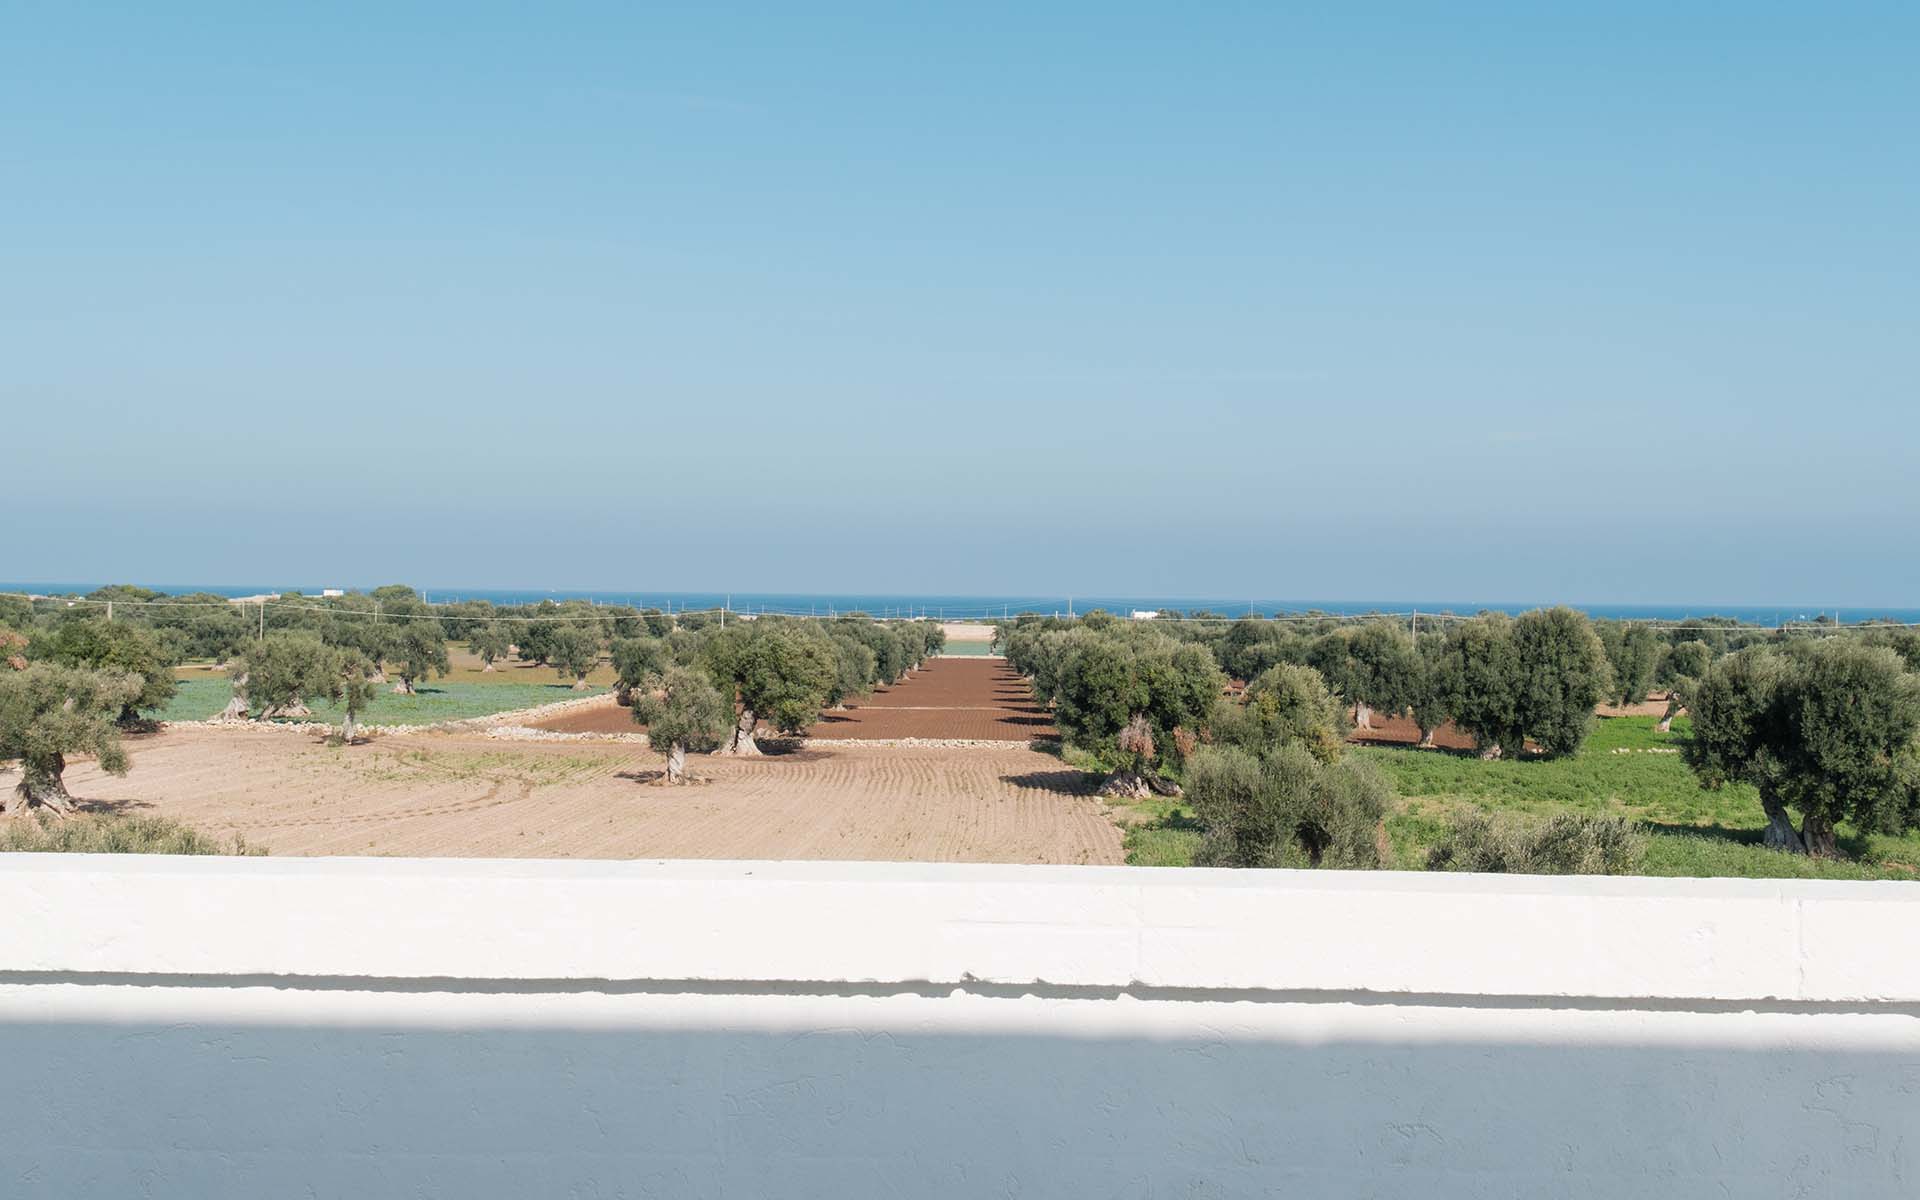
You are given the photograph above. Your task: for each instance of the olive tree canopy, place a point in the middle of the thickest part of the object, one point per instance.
(48, 711)
(1825, 728)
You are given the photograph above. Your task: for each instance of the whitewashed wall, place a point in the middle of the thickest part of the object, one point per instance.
(363, 1028)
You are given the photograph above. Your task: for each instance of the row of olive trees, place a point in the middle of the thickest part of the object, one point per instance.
(1503, 680)
(1264, 773)
(706, 686)
(709, 688)
(1824, 727)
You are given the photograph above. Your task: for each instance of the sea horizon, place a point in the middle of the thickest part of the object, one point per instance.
(958, 606)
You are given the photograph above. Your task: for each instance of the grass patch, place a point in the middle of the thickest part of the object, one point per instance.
(88, 834)
(1627, 768)
(434, 765)
(1161, 846)
(967, 649)
(440, 700)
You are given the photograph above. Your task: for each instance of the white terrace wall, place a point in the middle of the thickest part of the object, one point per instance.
(368, 1028)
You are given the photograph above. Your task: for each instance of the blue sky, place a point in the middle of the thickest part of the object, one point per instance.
(1594, 303)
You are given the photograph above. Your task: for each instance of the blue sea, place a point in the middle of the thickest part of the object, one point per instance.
(957, 607)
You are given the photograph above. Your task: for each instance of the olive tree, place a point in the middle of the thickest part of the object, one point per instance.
(1286, 808)
(574, 651)
(352, 688)
(490, 641)
(1826, 728)
(782, 671)
(276, 677)
(205, 625)
(1685, 660)
(1284, 704)
(48, 711)
(854, 666)
(1429, 702)
(1474, 682)
(1373, 666)
(418, 652)
(1633, 653)
(1136, 702)
(1681, 669)
(634, 661)
(1563, 674)
(96, 643)
(1504, 680)
(1250, 646)
(682, 711)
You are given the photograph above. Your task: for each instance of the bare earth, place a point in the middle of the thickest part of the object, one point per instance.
(959, 698)
(464, 795)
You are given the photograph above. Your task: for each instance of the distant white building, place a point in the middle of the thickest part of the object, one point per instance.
(1145, 614)
(332, 592)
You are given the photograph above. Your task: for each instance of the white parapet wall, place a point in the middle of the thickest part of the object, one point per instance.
(187, 1027)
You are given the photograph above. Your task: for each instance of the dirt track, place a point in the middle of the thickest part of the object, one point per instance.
(958, 698)
(471, 796)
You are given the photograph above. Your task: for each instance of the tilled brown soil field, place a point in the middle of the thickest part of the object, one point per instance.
(1401, 731)
(464, 795)
(978, 699)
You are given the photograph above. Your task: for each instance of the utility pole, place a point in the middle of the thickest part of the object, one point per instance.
(1416, 624)
(263, 620)
(109, 610)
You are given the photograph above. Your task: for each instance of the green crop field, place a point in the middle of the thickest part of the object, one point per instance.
(980, 649)
(440, 700)
(1626, 768)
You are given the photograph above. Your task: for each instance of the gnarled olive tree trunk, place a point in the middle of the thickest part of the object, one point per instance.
(740, 742)
(236, 709)
(1817, 834)
(42, 783)
(677, 762)
(1780, 832)
(1665, 724)
(1363, 716)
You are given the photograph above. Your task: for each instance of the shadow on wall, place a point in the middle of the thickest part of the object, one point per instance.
(596, 1094)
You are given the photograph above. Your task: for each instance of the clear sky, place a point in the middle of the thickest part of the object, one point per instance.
(1562, 302)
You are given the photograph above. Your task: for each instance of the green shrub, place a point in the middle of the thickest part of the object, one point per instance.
(1284, 704)
(1286, 809)
(111, 835)
(1563, 844)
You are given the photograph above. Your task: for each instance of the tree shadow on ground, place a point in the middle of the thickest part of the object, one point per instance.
(794, 748)
(1852, 846)
(1065, 782)
(109, 808)
(1180, 820)
(659, 778)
